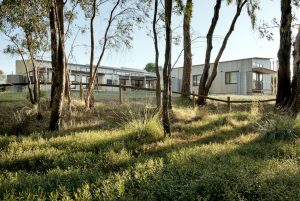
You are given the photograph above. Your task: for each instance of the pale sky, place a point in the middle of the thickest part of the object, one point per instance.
(243, 43)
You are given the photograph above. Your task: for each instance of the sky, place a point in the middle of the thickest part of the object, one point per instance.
(243, 43)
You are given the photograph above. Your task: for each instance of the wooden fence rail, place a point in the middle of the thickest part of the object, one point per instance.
(122, 87)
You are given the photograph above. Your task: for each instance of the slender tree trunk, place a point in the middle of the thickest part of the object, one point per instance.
(36, 78)
(187, 65)
(29, 80)
(158, 87)
(90, 89)
(170, 87)
(88, 100)
(53, 35)
(60, 70)
(220, 53)
(284, 83)
(295, 100)
(68, 92)
(167, 69)
(209, 38)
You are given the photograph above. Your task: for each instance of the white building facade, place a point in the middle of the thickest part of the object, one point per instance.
(105, 75)
(243, 77)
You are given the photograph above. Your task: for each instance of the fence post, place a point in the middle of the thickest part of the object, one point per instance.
(194, 101)
(228, 104)
(81, 91)
(120, 93)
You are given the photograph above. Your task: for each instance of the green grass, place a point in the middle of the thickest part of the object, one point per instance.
(118, 153)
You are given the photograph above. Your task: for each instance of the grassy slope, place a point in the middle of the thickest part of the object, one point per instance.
(209, 157)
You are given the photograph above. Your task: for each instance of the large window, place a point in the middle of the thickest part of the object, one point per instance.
(196, 80)
(109, 82)
(231, 77)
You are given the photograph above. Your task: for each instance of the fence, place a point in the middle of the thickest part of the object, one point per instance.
(122, 87)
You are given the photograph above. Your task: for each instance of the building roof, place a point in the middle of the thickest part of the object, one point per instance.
(108, 67)
(265, 58)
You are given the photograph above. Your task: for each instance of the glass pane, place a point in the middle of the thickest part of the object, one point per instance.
(233, 77)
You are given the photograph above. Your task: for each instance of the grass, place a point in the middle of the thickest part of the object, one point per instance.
(118, 153)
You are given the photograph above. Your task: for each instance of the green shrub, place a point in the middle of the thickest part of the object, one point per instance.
(280, 128)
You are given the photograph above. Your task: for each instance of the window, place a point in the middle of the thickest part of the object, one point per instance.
(231, 77)
(109, 81)
(196, 80)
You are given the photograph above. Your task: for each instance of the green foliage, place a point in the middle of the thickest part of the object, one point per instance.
(150, 67)
(280, 128)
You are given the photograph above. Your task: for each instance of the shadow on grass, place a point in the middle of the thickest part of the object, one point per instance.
(187, 171)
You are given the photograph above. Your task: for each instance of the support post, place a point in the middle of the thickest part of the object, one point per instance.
(194, 101)
(120, 93)
(81, 91)
(228, 104)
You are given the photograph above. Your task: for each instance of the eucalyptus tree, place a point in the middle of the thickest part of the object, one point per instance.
(206, 79)
(167, 67)
(57, 30)
(122, 15)
(156, 64)
(187, 47)
(28, 37)
(295, 100)
(284, 52)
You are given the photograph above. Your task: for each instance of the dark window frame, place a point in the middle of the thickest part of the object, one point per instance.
(195, 80)
(229, 74)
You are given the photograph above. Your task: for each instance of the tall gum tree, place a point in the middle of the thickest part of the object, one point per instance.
(295, 101)
(206, 79)
(284, 55)
(56, 15)
(187, 47)
(167, 67)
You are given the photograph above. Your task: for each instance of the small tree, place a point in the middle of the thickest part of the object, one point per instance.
(122, 15)
(28, 36)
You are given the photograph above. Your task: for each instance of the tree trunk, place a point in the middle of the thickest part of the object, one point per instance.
(166, 69)
(187, 65)
(209, 38)
(60, 70)
(89, 100)
(158, 88)
(93, 72)
(295, 101)
(220, 53)
(284, 83)
(68, 92)
(53, 35)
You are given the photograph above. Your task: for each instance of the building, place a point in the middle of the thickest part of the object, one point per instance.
(243, 76)
(105, 75)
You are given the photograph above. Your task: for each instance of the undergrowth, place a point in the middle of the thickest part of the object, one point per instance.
(119, 153)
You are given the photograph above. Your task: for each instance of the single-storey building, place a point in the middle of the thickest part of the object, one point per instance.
(105, 75)
(243, 76)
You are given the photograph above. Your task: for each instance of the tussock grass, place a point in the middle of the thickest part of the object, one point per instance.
(118, 153)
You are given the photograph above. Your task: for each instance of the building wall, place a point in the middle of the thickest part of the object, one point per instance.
(243, 70)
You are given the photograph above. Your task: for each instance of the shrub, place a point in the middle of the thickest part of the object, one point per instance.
(280, 128)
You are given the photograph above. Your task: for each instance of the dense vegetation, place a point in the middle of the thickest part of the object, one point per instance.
(119, 153)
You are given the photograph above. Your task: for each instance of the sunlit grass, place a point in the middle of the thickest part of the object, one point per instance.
(119, 153)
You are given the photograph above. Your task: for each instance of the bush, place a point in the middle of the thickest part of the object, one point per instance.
(280, 128)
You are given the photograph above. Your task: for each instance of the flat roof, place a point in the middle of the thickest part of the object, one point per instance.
(106, 67)
(265, 58)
